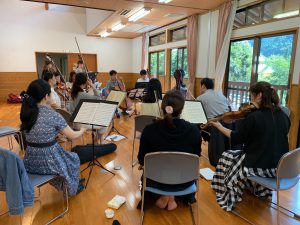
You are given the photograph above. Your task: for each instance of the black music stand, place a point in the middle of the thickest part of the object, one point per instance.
(136, 95)
(85, 113)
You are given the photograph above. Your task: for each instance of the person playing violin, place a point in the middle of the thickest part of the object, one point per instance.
(264, 134)
(80, 67)
(117, 85)
(55, 101)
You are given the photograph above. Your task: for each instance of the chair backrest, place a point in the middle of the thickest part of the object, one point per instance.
(66, 115)
(142, 121)
(171, 167)
(150, 109)
(289, 165)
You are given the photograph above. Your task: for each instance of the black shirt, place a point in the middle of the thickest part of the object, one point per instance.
(265, 137)
(158, 137)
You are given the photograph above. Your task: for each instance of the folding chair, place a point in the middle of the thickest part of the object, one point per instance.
(39, 180)
(9, 132)
(171, 168)
(140, 122)
(287, 176)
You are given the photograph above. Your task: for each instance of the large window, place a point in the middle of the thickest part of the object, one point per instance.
(266, 58)
(179, 60)
(266, 11)
(157, 63)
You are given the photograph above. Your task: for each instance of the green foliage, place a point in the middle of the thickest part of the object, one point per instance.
(240, 61)
(281, 68)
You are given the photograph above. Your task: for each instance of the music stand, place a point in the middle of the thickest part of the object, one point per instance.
(94, 113)
(117, 97)
(136, 95)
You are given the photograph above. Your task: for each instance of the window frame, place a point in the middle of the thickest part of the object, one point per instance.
(156, 35)
(255, 58)
(176, 29)
(182, 60)
(157, 64)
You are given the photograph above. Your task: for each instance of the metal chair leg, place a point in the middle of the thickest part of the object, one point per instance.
(133, 163)
(61, 215)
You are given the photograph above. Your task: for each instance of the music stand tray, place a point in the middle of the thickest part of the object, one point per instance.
(94, 113)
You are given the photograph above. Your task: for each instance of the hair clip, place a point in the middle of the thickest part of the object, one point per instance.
(169, 109)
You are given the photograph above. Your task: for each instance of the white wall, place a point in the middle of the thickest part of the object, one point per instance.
(27, 27)
(277, 27)
(137, 55)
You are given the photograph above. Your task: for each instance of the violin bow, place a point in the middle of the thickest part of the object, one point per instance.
(81, 56)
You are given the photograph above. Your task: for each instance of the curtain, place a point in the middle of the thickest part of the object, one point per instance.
(225, 25)
(143, 50)
(192, 31)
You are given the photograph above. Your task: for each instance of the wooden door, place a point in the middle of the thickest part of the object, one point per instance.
(89, 59)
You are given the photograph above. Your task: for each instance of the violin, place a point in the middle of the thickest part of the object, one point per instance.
(230, 117)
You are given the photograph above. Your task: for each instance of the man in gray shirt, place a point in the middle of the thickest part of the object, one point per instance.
(214, 102)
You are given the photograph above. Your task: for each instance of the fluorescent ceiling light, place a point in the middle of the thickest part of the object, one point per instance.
(164, 1)
(105, 34)
(287, 14)
(118, 27)
(139, 14)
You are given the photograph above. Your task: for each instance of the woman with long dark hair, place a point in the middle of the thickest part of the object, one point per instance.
(41, 126)
(170, 134)
(264, 133)
(180, 86)
(77, 93)
(154, 85)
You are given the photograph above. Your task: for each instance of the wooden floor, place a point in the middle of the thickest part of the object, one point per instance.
(88, 207)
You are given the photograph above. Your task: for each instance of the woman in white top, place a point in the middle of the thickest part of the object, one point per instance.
(55, 101)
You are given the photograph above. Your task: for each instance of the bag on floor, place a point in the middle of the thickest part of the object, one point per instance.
(12, 98)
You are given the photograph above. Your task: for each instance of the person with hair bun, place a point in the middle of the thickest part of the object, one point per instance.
(41, 125)
(170, 134)
(264, 134)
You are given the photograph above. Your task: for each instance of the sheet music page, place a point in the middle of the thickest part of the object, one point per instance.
(116, 96)
(86, 113)
(193, 112)
(104, 114)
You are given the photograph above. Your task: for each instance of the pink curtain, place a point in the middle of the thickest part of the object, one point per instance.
(224, 15)
(143, 50)
(192, 31)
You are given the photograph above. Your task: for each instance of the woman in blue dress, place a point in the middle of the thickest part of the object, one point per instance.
(41, 126)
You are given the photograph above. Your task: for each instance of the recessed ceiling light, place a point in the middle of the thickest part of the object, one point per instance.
(164, 1)
(139, 14)
(105, 34)
(118, 27)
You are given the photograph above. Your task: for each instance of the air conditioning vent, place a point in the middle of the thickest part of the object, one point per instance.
(174, 16)
(124, 12)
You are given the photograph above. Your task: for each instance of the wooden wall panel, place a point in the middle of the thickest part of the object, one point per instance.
(89, 59)
(129, 79)
(14, 82)
(294, 102)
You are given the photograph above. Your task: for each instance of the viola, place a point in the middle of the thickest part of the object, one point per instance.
(230, 117)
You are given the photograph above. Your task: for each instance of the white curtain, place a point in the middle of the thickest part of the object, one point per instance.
(222, 59)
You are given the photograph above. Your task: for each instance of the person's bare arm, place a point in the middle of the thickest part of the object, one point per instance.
(71, 134)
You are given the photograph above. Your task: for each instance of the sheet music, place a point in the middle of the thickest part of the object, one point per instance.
(86, 113)
(95, 113)
(116, 96)
(193, 112)
(103, 114)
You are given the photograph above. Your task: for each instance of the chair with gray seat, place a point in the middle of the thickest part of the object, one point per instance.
(287, 176)
(171, 168)
(9, 132)
(140, 122)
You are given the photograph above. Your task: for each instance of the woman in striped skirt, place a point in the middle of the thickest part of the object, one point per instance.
(264, 135)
